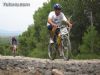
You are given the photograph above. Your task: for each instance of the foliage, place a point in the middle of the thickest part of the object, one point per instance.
(91, 41)
(5, 45)
(34, 41)
(85, 38)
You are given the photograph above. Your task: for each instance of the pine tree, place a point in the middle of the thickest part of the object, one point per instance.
(89, 40)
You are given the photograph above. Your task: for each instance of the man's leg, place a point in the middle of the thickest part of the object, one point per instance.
(59, 44)
(51, 36)
(52, 32)
(59, 40)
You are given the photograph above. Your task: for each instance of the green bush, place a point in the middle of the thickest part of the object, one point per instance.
(91, 40)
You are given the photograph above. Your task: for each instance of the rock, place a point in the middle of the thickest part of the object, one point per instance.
(37, 72)
(57, 72)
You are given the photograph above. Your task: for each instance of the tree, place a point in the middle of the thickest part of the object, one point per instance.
(90, 40)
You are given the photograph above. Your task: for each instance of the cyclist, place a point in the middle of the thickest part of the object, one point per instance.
(55, 19)
(14, 45)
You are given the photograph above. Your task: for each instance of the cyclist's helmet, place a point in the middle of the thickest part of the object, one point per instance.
(57, 6)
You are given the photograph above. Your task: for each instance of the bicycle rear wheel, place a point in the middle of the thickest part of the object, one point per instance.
(52, 51)
(66, 44)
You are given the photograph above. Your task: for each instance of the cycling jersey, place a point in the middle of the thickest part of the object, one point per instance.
(56, 19)
(14, 41)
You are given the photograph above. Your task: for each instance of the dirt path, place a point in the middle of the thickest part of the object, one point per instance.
(20, 65)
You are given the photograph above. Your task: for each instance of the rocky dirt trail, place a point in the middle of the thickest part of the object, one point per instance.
(20, 65)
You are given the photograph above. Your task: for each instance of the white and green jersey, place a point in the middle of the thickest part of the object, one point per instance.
(56, 19)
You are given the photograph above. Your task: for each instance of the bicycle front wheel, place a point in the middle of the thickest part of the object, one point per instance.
(66, 44)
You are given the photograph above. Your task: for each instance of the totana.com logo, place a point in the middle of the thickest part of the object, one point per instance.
(5, 4)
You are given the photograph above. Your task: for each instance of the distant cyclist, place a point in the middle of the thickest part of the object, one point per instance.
(14, 45)
(55, 19)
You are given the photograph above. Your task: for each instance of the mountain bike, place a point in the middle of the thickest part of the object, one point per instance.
(65, 42)
(14, 49)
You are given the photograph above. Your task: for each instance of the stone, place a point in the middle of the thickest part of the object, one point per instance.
(57, 72)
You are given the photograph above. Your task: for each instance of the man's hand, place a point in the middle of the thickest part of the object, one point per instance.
(70, 25)
(54, 27)
(51, 23)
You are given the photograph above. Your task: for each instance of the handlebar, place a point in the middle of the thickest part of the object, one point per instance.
(63, 26)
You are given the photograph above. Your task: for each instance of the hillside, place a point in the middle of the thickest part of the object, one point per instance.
(9, 33)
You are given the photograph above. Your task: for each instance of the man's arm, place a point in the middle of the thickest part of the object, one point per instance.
(51, 23)
(67, 21)
(70, 25)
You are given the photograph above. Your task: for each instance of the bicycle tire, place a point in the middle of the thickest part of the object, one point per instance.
(51, 51)
(66, 44)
